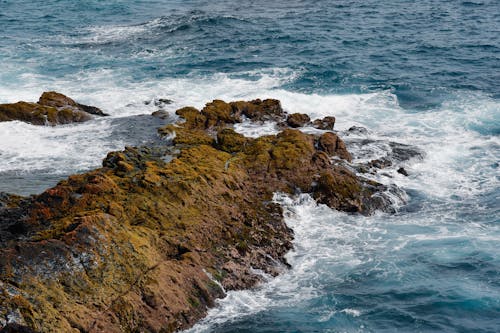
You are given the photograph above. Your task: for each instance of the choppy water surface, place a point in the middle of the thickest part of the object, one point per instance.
(421, 73)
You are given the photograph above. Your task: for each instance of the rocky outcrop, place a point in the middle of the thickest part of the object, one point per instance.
(60, 101)
(297, 120)
(258, 110)
(52, 109)
(326, 123)
(149, 241)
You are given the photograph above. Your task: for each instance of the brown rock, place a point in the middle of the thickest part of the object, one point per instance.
(339, 189)
(52, 109)
(258, 110)
(193, 117)
(326, 123)
(218, 113)
(57, 100)
(161, 114)
(37, 114)
(142, 244)
(230, 141)
(297, 120)
(334, 146)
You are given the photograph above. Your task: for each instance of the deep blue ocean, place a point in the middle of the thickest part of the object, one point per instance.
(421, 73)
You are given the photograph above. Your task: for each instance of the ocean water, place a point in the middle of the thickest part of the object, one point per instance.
(419, 73)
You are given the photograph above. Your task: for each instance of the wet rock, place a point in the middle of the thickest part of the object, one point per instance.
(334, 146)
(326, 123)
(159, 102)
(295, 120)
(402, 152)
(160, 114)
(60, 101)
(258, 110)
(52, 109)
(393, 154)
(403, 171)
(37, 114)
(357, 130)
(194, 119)
(380, 163)
(146, 242)
(162, 102)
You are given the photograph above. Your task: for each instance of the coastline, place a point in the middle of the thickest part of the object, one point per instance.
(152, 238)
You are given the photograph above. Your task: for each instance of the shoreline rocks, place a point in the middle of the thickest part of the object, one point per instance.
(51, 109)
(151, 239)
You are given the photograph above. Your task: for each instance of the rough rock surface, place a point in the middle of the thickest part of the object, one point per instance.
(148, 242)
(52, 109)
(297, 120)
(326, 123)
(334, 146)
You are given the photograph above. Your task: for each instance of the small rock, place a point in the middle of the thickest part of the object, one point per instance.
(160, 114)
(403, 171)
(357, 130)
(326, 123)
(160, 102)
(380, 163)
(163, 101)
(297, 120)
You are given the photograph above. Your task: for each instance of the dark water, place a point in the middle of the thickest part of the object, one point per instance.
(422, 73)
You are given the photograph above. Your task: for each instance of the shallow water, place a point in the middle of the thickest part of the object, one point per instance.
(424, 74)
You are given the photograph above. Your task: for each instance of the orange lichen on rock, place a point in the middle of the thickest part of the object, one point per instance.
(146, 242)
(52, 109)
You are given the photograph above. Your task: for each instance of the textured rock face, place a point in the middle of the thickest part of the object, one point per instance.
(297, 120)
(334, 146)
(57, 100)
(326, 123)
(52, 109)
(147, 242)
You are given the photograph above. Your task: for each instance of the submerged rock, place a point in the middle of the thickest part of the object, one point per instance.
(151, 239)
(52, 109)
(403, 171)
(162, 114)
(159, 102)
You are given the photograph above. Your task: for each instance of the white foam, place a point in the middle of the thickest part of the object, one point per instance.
(352, 312)
(112, 33)
(330, 246)
(457, 161)
(60, 149)
(115, 93)
(324, 239)
(457, 157)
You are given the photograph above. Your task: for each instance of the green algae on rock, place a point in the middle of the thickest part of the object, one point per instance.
(52, 109)
(150, 240)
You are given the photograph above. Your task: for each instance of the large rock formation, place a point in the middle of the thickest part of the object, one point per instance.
(52, 109)
(148, 242)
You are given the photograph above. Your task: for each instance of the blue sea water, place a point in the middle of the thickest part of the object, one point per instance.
(422, 73)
